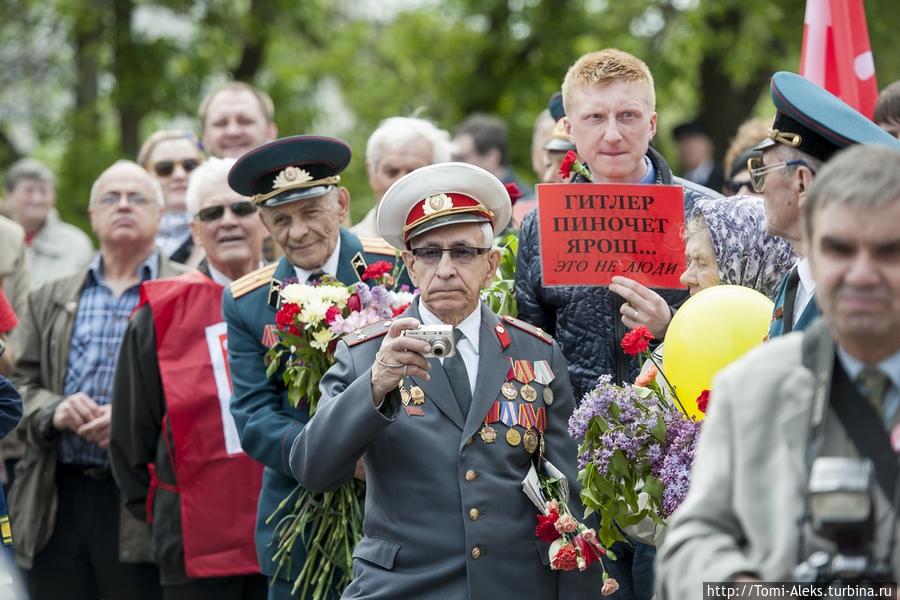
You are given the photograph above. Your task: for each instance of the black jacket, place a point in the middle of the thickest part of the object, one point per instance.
(585, 320)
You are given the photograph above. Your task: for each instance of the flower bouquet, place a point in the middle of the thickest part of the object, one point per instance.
(309, 323)
(572, 544)
(637, 447)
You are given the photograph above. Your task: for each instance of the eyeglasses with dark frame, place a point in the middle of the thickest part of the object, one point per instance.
(758, 170)
(214, 213)
(736, 186)
(164, 168)
(431, 255)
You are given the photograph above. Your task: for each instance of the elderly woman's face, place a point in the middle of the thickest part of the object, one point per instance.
(702, 269)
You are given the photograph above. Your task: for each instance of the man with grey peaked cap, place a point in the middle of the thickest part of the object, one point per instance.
(446, 442)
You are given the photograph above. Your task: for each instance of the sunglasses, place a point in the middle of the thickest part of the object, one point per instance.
(238, 209)
(758, 170)
(736, 186)
(164, 168)
(459, 254)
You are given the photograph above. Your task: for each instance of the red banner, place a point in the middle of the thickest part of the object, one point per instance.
(593, 231)
(219, 484)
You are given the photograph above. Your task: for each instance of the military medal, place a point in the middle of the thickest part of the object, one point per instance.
(543, 374)
(530, 441)
(488, 434)
(529, 394)
(508, 413)
(269, 337)
(548, 396)
(417, 395)
(509, 391)
(404, 395)
(510, 372)
(523, 371)
(540, 419)
(513, 437)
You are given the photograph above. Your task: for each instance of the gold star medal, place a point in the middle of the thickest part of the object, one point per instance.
(529, 394)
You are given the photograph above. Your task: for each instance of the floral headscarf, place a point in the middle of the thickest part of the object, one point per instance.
(745, 253)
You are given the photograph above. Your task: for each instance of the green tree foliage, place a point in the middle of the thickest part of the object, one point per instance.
(88, 82)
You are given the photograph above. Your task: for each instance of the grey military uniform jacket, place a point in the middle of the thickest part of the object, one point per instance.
(445, 515)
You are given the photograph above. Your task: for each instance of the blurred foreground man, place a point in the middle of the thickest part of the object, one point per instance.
(70, 531)
(446, 516)
(831, 391)
(174, 448)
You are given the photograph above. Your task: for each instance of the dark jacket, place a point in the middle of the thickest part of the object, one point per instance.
(585, 320)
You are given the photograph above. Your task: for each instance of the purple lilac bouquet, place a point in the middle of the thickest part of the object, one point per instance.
(636, 453)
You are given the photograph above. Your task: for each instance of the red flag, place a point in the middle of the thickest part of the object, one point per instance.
(836, 53)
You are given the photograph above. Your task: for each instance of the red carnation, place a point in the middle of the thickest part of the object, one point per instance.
(636, 341)
(546, 527)
(565, 167)
(376, 270)
(284, 318)
(514, 191)
(703, 401)
(331, 314)
(566, 559)
(353, 303)
(399, 310)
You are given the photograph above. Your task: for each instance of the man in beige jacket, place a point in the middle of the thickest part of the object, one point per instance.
(68, 527)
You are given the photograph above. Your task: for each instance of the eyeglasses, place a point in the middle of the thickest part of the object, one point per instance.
(164, 168)
(113, 199)
(238, 209)
(431, 255)
(758, 170)
(736, 186)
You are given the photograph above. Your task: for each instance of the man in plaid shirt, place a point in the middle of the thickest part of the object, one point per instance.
(69, 529)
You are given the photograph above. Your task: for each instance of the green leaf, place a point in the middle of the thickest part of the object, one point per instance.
(653, 487)
(659, 430)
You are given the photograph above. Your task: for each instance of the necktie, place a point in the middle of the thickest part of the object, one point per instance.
(876, 384)
(790, 298)
(458, 376)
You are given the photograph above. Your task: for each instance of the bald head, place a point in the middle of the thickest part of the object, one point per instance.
(130, 170)
(125, 207)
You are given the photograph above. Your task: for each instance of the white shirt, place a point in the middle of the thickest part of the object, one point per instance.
(468, 343)
(218, 276)
(329, 268)
(806, 288)
(890, 366)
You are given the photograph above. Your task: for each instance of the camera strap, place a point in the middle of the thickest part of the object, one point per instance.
(864, 428)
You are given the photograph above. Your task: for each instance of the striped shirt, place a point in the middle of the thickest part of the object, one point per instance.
(96, 337)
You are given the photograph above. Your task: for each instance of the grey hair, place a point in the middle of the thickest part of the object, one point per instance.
(157, 188)
(210, 172)
(397, 131)
(788, 153)
(487, 230)
(28, 169)
(865, 176)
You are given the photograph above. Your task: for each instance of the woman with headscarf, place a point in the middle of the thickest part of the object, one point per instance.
(725, 243)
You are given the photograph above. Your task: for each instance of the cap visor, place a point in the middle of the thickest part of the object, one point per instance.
(766, 143)
(298, 194)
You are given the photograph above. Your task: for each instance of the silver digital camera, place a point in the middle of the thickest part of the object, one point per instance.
(439, 337)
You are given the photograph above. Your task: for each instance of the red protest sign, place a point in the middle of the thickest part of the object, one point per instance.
(592, 231)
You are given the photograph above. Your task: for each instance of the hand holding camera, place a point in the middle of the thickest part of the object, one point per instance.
(401, 355)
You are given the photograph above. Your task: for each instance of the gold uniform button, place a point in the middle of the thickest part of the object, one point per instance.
(469, 440)
(476, 552)
(473, 514)
(471, 475)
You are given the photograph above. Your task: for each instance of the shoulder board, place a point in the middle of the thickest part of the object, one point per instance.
(528, 328)
(375, 245)
(253, 280)
(367, 333)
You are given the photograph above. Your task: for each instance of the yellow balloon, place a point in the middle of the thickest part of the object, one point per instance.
(715, 327)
